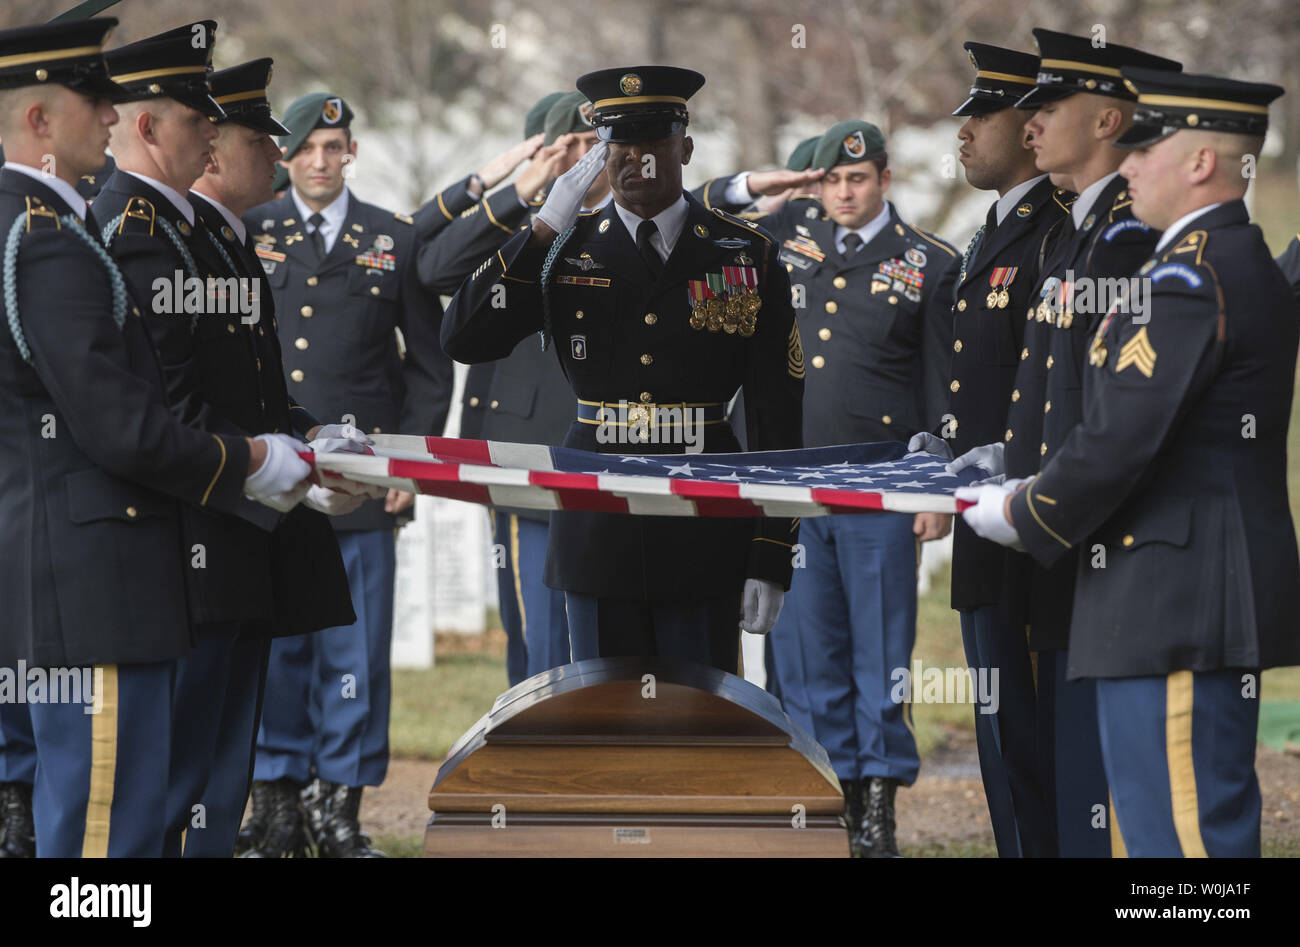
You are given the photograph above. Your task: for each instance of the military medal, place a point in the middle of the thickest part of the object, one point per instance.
(999, 297)
(698, 294)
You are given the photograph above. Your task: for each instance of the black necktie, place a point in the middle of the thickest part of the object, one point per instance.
(644, 231)
(851, 243)
(317, 238)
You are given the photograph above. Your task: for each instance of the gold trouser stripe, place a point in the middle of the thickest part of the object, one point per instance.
(1076, 66)
(241, 96)
(49, 55)
(1187, 102)
(158, 73)
(184, 832)
(519, 586)
(1178, 752)
(1005, 77)
(1117, 849)
(103, 769)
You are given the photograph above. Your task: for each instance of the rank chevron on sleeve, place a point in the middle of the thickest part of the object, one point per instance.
(1137, 352)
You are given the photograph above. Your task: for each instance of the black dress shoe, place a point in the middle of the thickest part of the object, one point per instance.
(284, 835)
(253, 830)
(851, 818)
(17, 830)
(878, 818)
(340, 835)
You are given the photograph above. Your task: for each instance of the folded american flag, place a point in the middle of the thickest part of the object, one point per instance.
(854, 478)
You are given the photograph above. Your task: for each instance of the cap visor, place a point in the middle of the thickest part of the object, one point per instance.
(621, 132)
(1139, 136)
(101, 87)
(204, 103)
(262, 121)
(977, 106)
(1040, 95)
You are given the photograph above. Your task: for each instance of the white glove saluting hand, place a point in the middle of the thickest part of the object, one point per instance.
(281, 481)
(560, 211)
(340, 438)
(332, 502)
(760, 605)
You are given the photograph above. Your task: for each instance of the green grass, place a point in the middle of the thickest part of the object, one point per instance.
(431, 709)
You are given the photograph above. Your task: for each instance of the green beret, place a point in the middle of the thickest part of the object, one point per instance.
(848, 143)
(305, 115)
(567, 115)
(281, 179)
(536, 118)
(801, 157)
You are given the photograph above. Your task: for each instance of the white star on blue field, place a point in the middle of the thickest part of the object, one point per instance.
(881, 467)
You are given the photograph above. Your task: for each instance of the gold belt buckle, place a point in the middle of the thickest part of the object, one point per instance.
(641, 416)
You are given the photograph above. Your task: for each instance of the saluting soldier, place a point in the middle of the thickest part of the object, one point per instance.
(1079, 107)
(344, 278)
(874, 296)
(92, 465)
(623, 294)
(478, 380)
(998, 276)
(1186, 502)
(528, 399)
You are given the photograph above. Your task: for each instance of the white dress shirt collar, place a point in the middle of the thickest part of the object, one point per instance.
(75, 201)
(176, 197)
(1087, 197)
(1178, 225)
(670, 222)
(1012, 197)
(335, 214)
(867, 231)
(236, 224)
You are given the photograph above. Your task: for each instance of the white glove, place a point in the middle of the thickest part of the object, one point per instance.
(987, 458)
(332, 503)
(341, 438)
(760, 605)
(278, 482)
(936, 446)
(986, 517)
(560, 211)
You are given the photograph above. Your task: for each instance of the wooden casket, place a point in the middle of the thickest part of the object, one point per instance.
(635, 757)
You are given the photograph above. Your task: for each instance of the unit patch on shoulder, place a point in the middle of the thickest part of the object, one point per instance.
(1179, 270)
(1117, 228)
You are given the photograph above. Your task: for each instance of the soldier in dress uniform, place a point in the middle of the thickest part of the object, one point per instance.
(528, 399)
(240, 375)
(652, 302)
(90, 445)
(344, 278)
(1080, 107)
(874, 296)
(998, 275)
(221, 378)
(1175, 482)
